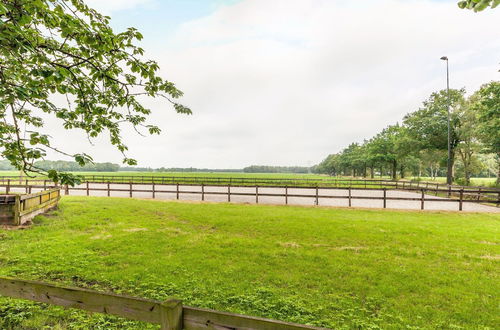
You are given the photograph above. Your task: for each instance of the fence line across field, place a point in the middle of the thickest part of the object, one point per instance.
(305, 182)
(472, 196)
(170, 314)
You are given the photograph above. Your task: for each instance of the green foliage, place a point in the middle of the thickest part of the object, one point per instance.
(336, 268)
(61, 165)
(478, 5)
(429, 124)
(275, 169)
(486, 103)
(62, 58)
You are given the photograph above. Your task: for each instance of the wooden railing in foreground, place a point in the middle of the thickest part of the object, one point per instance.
(18, 209)
(170, 314)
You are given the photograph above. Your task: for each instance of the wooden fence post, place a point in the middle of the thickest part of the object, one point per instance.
(26, 186)
(349, 197)
(256, 194)
(109, 191)
(422, 200)
(286, 195)
(154, 192)
(66, 190)
(44, 184)
(479, 194)
(130, 188)
(177, 191)
(17, 210)
(7, 190)
(317, 197)
(385, 198)
(460, 203)
(171, 315)
(88, 191)
(228, 192)
(202, 191)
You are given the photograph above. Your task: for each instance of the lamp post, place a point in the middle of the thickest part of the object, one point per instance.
(449, 177)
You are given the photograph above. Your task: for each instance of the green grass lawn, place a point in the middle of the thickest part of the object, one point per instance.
(337, 268)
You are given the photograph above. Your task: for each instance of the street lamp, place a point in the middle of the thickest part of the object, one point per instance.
(449, 177)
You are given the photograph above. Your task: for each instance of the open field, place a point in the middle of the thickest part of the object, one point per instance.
(486, 182)
(338, 268)
(197, 174)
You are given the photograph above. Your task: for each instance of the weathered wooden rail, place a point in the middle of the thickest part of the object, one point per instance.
(458, 196)
(170, 314)
(19, 209)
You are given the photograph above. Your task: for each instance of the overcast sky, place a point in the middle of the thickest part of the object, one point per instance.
(287, 82)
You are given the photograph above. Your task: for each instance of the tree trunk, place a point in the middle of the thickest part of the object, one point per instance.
(451, 166)
(394, 169)
(372, 172)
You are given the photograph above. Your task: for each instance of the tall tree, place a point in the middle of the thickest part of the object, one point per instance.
(469, 145)
(429, 124)
(486, 103)
(61, 58)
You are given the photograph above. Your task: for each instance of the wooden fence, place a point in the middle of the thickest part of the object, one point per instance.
(19, 209)
(317, 193)
(243, 181)
(170, 314)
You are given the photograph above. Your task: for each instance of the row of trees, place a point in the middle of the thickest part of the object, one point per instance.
(275, 169)
(68, 166)
(418, 146)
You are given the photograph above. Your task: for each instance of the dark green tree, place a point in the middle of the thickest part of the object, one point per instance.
(61, 58)
(429, 125)
(486, 104)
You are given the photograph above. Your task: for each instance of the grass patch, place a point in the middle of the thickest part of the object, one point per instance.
(337, 268)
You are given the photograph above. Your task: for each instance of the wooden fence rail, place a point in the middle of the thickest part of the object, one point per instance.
(234, 181)
(170, 314)
(472, 196)
(18, 209)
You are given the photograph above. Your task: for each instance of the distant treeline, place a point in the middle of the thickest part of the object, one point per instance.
(176, 169)
(65, 166)
(68, 166)
(276, 169)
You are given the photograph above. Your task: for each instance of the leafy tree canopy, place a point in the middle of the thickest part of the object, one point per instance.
(429, 124)
(478, 5)
(61, 58)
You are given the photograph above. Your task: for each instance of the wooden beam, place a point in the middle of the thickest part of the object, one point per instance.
(170, 314)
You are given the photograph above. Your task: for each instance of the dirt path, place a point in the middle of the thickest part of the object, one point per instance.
(184, 194)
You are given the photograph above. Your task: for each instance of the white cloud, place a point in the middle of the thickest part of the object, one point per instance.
(287, 82)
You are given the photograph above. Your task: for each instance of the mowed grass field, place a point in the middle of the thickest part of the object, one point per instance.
(487, 182)
(336, 268)
(197, 174)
